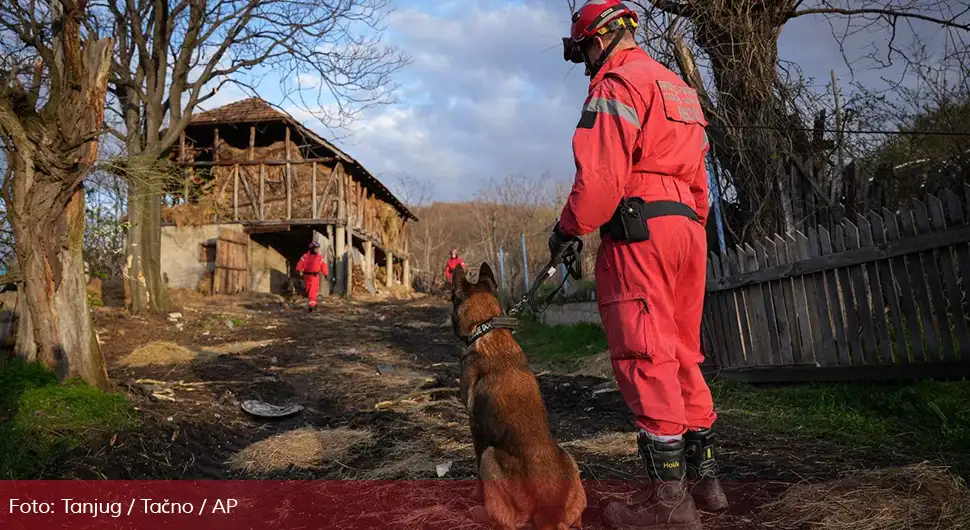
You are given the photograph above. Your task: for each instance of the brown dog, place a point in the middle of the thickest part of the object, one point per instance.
(526, 478)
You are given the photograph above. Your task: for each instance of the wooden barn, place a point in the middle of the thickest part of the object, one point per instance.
(255, 187)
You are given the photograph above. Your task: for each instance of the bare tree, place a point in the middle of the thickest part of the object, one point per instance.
(755, 102)
(53, 83)
(173, 55)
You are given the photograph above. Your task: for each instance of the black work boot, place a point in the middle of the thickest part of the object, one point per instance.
(702, 472)
(665, 503)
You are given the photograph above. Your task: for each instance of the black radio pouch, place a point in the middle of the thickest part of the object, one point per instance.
(628, 223)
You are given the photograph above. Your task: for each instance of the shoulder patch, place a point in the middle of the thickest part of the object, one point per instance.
(587, 120)
(681, 103)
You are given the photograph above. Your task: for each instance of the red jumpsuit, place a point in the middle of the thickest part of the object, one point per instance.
(312, 266)
(642, 135)
(453, 264)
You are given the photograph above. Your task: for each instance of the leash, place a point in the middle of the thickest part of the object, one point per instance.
(570, 257)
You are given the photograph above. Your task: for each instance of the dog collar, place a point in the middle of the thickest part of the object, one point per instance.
(489, 326)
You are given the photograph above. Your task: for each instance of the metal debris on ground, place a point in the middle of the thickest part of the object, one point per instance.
(384, 369)
(266, 410)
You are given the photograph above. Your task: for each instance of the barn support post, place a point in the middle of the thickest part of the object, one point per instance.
(332, 265)
(350, 263)
(235, 193)
(368, 261)
(215, 145)
(313, 184)
(390, 267)
(185, 174)
(341, 236)
(406, 264)
(262, 192)
(288, 182)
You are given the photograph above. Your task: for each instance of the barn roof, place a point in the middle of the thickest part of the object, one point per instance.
(255, 110)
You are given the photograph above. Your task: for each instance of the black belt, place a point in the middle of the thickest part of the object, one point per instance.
(629, 222)
(311, 273)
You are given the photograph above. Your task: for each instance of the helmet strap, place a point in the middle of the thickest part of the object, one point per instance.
(595, 67)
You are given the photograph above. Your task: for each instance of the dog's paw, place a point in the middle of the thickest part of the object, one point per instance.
(479, 515)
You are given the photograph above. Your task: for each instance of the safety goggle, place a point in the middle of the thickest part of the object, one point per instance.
(572, 51)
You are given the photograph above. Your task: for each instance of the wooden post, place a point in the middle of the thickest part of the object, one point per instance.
(262, 191)
(390, 267)
(235, 192)
(406, 264)
(252, 142)
(368, 261)
(215, 145)
(288, 183)
(185, 174)
(341, 237)
(335, 274)
(350, 262)
(313, 184)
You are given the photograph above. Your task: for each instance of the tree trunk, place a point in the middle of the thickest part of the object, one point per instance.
(143, 269)
(58, 331)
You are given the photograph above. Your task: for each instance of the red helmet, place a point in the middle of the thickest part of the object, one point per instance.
(596, 17)
(314, 244)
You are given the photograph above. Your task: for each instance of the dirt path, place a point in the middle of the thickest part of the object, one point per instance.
(339, 363)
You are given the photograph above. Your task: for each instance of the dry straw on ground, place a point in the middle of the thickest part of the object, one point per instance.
(611, 444)
(920, 496)
(598, 365)
(305, 448)
(169, 353)
(159, 353)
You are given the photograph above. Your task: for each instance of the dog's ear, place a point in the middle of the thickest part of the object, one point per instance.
(487, 278)
(459, 282)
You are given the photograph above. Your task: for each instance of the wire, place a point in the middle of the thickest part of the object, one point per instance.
(859, 131)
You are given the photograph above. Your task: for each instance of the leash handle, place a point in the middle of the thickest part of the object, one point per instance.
(570, 257)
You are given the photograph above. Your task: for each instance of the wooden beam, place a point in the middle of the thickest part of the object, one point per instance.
(235, 193)
(341, 196)
(204, 163)
(289, 183)
(215, 145)
(389, 255)
(313, 185)
(326, 191)
(350, 262)
(262, 191)
(252, 142)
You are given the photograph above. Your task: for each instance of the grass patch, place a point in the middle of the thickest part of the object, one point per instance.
(42, 421)
(924, 419)
(563, 346)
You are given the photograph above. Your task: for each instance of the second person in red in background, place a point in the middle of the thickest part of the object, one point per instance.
(453, 263)
(312, 266)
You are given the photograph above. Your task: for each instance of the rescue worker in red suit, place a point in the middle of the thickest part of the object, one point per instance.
(641, 180)
(312, 266)
(454, 262)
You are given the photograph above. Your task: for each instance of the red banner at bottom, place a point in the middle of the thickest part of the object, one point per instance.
(263, 505)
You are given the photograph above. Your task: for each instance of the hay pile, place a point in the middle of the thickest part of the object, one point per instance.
(920, 496)
(159, 353)
(612, 444)
(305, 448)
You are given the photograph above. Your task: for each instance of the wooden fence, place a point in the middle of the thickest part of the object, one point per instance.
(883, 297)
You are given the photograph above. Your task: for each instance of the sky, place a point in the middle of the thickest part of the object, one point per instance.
(487, 93)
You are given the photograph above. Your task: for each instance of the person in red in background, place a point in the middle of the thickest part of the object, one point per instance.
(640, 147)
(453, 263)
(312, 266)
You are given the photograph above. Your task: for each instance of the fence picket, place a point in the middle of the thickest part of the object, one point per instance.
(848, 303)
(731, 315)
(745, 316)
(754, 298)
(912, 338)
(957, 217)
(887, 285)
(931, 267)
(957, 333)
(820, 315)
(801, 305)
(876, 300)
(835, 300)
(723, 352)
(860, 295)
(917, 278)
(783, 299)
(767, 302)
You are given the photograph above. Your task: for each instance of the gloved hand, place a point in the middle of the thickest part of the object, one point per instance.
(558, 241)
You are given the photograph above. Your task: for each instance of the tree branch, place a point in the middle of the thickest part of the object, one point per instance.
(889, 14)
